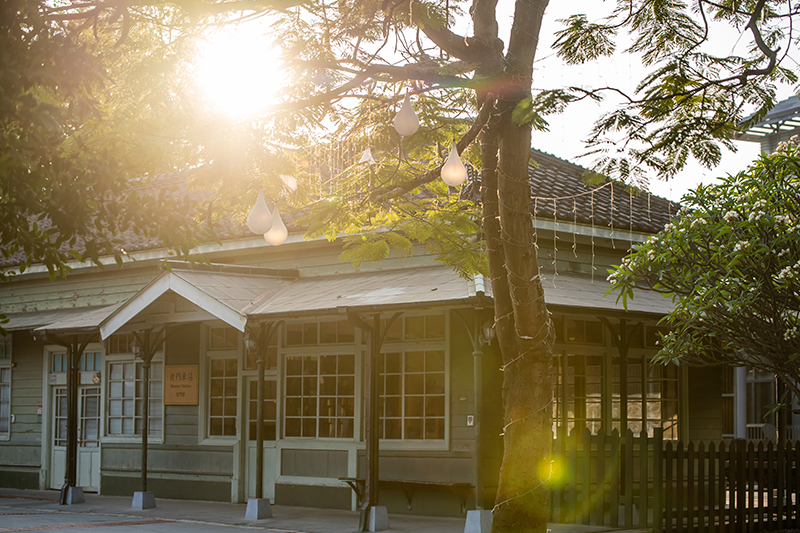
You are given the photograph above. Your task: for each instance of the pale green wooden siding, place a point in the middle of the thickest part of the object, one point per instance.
(705, 403)
(21, 454)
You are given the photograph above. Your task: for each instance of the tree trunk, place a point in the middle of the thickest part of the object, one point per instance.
(522, 321)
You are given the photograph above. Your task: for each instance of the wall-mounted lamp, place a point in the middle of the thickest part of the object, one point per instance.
(487, 332)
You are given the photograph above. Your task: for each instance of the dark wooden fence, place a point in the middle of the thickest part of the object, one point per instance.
(646, 482)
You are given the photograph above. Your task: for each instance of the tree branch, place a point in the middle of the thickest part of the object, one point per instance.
(381, 194)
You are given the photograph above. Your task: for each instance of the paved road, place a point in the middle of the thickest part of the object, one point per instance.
(39, 511)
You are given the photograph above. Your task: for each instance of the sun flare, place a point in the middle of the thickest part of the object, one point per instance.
(238, 71)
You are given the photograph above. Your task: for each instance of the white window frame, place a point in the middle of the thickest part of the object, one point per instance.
(203, 407)
(108, 360)
(424, 345)
(6, 366)
(320, 351)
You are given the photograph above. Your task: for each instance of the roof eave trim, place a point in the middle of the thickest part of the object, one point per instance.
(161, 285)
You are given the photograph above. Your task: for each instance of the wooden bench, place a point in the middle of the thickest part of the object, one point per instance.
(462, 490)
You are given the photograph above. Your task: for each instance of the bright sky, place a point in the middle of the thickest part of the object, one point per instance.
(240, 76)
(238, 72)
(568, 130)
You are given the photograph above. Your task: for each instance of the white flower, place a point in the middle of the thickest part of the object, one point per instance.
(651, 255)
(783, 252)
(699, 222)
(782, 219)
(790, 333)
(669, 227)
(730, 216)
(741, 245)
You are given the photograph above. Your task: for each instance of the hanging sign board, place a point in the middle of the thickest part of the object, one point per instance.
(181, 384)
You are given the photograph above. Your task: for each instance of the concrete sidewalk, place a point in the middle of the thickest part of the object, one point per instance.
(285, 519)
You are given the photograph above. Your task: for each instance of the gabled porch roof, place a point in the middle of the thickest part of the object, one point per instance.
(224, 292)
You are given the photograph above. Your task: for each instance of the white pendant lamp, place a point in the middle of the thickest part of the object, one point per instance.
(453, 171)
(289, 182)
(278, 233)
(406, 122)
(259, 220)
(367, 157)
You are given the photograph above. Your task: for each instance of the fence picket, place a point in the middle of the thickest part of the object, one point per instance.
(669, 491)
(770, 496)
(722, 495)
(627, 453)
(680, 496)
(600, 486)
(751, 479)
(562, 492)
(643, 478)
(614, 484)
(781, 468)
(572, 488)
(690, 486)
(696, 486)
(586, 499)
(702, 512)
(795, 471)
(741, 481)
(762, 483)
(713, 481)
(658, 500)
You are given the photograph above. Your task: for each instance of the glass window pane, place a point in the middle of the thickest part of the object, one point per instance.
(346, 332)
(415, 327)
(434, 327)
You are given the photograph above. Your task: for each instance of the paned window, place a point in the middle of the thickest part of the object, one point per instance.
(652, 397)
(120, 343)
(270, 410)
(412, 392)
(89, 362)
(418, 327)
(125, 410)
(314, 333)
(575, 331)
(728, 402)
(577, 383)
(761, 396)
(222, 338)
(5, 348)
(222, 398)
(61, 408)
(320, 396)
(271, 356)
(651, 393)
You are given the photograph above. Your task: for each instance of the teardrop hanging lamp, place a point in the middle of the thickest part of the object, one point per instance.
(278, 233)
(367, 157)
(453, 171)
(259, 220)
(406, 121)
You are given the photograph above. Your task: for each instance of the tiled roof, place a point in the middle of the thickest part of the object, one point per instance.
(552, 177)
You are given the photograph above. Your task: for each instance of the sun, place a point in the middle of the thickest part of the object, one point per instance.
(238, 71)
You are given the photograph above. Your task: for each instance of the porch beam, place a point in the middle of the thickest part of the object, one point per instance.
(375, 335)
(75, 345)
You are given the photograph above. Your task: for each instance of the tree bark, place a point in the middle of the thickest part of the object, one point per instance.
(522, 321)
